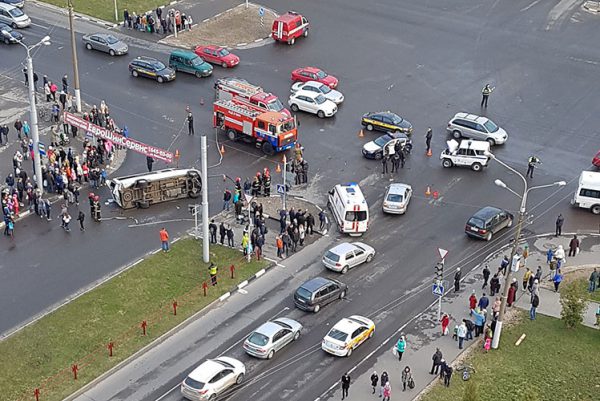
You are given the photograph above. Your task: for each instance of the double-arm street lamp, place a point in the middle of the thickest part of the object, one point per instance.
(522, 208)
(37, 164)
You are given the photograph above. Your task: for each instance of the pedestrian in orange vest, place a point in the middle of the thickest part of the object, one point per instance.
(279, 247)
(164, 239)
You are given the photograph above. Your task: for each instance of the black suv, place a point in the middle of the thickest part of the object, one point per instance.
(318, 292)
(151, 68)
(487, 222)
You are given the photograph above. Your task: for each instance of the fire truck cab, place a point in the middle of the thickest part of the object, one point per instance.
(289, 26)
(270, 131)
(241, 91)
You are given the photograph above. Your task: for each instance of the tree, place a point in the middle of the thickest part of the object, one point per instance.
(471, 391)
(573, 299)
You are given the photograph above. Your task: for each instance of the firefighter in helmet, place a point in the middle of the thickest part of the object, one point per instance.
(267, 182)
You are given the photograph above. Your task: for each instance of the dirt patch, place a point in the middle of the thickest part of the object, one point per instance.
(236, 27)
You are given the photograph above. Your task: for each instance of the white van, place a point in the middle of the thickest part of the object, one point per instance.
(13, 16)
(587, 195)
(349, 208)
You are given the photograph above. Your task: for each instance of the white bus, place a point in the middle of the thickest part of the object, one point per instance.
(587, 195)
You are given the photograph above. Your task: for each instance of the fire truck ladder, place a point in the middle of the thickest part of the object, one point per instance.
(241, 87)
(228, 104)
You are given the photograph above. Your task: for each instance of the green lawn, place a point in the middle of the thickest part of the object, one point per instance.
(585, 283)
(113, 312)
(552, 363)
(105, 9)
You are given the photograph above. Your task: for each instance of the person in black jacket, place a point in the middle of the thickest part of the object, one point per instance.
(222, 232)
(374, 381)
(470, 327)
(437, 360)
(345, 385)
(212, 229)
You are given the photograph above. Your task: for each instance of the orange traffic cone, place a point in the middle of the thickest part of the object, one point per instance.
(222, 149)
(361, 133)
(435, 194)
(429, 154)
(278, 169)
(428, 191)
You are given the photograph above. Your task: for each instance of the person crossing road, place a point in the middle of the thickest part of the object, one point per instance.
(485, 94)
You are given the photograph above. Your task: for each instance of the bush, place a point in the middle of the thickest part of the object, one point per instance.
(471, 391)
(573, 298)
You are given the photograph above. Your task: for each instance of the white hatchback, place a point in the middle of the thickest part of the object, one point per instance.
(396, 198)
(318, 87)
(212, 378)
(347, 255)
(312, 102)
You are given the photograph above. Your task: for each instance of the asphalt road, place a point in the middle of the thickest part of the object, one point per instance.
(426, 61)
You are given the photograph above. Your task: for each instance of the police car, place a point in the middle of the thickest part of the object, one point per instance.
(467, 153)
(151, 68)
(375, 149)
(386, 121)
(348, 334)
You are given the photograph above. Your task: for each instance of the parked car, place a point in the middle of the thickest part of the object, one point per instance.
(13, 16)
(386, 121)
(596, 160)
(106, 43)
(217, 55)
(396, 198)
(376, 148)
(476, 127)
(151, 68)
(312, 102)
(272, 336)
(348, 334)
(9, 35)
(347, 255)
(212, 378)
(306, 74)
(189, 62)
(318, 292)
(469, 153)
(15, 3)
(318, 87)
(487, 222)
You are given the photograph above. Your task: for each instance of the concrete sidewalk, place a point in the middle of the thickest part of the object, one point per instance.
(423, 333)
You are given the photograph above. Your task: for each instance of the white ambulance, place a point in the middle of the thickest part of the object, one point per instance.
(349, 208)
(587, 195)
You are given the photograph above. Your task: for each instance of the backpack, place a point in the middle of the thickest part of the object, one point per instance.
(411, 383)
(536, 301)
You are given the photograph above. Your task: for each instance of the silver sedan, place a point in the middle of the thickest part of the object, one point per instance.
(271, 337)
(105, 43)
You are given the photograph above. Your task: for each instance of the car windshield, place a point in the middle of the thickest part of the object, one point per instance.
(303, 293)
(395, 197)
(258, 339)
(332, 256)
(476, 222)
(396, 119)
(321, 74)
(288, 126)
(111, 40)
(193, 383)
(223, 52)
(325, 89)
(382, 140)
(15, 12)
(320, 99)
(157, 65)
(337, 335)
(6, 28)
(197, 61)
(490, 126)
(275, 105)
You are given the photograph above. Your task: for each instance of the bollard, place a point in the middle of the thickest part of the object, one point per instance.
(36, 392)
(74, 369)
(175, 308)
(204, 287)
(110, 347)
(232, 269)
(144, 324)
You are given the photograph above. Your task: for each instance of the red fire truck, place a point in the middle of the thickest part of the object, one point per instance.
(289, 26)
(270, 131)
(246, 93)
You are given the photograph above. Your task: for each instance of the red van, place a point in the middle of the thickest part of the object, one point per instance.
(289, 26)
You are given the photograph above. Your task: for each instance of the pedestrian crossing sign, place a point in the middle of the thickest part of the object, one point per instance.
(438, 290)
(280, 188)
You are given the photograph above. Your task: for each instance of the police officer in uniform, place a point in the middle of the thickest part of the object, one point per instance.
(190, 121)
(533, 160)
(384, 164)
(485, 94)
(267, 182)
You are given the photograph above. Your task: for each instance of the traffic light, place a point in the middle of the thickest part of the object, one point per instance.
(439, 271)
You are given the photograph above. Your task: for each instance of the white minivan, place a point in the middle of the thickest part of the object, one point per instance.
(349, 208)
(587, 195)
(13, 16)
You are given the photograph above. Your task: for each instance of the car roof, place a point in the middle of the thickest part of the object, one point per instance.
(312, 83)
(385, 113)
(269, 328)
(343, 248)
(309, 69)
(184, 53)
(471, 117)
(289, 16)
(306, 93)
(7, 7)
(315, 283)
(398, 188)
(487, 212)
(147, 59)
(349, 324)
(206, 370)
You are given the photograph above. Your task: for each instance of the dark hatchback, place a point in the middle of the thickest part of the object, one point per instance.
(151, 68)
(487, 222)
(318, 292)
(11, 35)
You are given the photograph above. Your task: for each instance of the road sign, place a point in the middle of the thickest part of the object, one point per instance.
(437, 290)
(442, 253)
(261, 12)
(280, 189)
(42, 149)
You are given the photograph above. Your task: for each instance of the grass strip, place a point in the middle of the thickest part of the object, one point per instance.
(41, 355)
(105, 9)
(552, 363)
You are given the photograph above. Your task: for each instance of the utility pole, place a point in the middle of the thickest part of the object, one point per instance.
(116, 13)
(74, 57)
(205, 217)
(284, 194)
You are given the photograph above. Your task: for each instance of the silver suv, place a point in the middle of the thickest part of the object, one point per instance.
(476, 127)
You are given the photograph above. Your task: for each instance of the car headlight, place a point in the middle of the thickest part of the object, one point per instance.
(385, 204)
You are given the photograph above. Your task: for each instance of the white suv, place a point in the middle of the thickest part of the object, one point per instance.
(476, 127)
(312, 102)
(468, 153)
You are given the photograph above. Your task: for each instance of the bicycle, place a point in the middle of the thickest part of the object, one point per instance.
(466, 371)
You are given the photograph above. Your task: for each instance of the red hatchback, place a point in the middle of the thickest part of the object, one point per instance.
(596, 160)
(306, 74)
(217, 55)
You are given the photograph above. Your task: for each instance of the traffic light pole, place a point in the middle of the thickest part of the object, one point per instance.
(440, 283)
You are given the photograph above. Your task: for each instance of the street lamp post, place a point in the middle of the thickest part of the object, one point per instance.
(37, 162)
(522, 209)
(74, 59)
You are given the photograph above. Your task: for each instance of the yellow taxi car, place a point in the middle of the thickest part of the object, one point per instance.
(348, 334)
(386, 121)
(151, 68)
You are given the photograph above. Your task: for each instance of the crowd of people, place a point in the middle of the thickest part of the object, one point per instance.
(158, 21)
